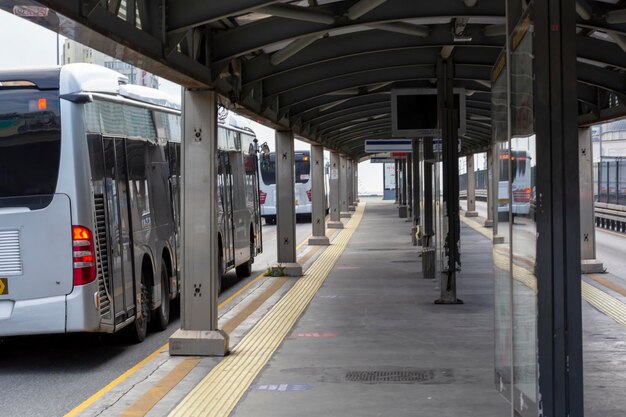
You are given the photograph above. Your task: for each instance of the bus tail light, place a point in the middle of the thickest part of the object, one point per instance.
(262, 197)
(83, 255)
(308, 195)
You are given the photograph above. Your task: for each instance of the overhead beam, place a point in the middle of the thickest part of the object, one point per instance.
(404, 28)
(306, 14)
(257, 35)
(182, 16)
(363, 7)
(293, 48)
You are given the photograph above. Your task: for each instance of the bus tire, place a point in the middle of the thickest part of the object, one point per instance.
(220, 270)
(270, 219)
(161, 315)
(140, 325)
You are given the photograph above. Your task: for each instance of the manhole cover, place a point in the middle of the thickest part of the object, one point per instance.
(390, 376)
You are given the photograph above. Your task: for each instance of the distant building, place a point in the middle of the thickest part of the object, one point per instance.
(75, 52)
(610, 138)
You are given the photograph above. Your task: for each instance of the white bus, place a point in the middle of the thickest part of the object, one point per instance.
(89, 202)
(520, 184)
(267, 168)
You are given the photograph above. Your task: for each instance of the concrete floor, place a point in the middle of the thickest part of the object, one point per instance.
(375, 313)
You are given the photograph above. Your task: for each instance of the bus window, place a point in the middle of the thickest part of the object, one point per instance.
(30, 147)
(303, 168)
(268, 169)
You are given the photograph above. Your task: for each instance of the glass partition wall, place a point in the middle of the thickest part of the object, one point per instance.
(515, 231)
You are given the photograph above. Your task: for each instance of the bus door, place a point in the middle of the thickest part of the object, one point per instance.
(240, 212)
(119, 227)
(226, 208)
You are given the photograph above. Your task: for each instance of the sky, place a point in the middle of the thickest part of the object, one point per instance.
(37, 46)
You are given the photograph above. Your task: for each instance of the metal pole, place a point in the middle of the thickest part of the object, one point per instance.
(589, 263)
(428, 230)
(489, 219)
(471, 187)
(318, 197)
(409, 187)
(343, 188)
(452, 259)
(397, 180)
(402, 209)
(559, 318)
(285, 204)
(199, 333)
(333, 184)
(415, 155)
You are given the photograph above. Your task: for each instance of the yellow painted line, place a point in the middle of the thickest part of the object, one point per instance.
(115, 382)
(609, 284)
(220, 391)
(153, 396)
(89, 401)
(604, 302)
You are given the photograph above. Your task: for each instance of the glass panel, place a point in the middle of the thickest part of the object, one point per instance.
(502, 244)
(268, 169)
(30, 147)
(522, 162)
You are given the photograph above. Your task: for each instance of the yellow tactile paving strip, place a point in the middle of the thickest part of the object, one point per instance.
(219, 392)
(606, 303)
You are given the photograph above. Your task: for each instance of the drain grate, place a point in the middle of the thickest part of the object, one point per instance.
(390, 376)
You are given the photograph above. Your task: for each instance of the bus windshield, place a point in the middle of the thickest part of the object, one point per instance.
(303, 168)
(30, 147)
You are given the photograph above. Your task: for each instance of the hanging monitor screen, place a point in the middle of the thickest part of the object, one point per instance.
(414, 112)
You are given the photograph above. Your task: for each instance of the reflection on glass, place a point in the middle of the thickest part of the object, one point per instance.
(522, 163)
(501, 248)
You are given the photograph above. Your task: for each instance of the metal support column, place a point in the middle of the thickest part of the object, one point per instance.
(318, 197)
(471, 187)
(199, 334)
(489, 219)
(589, 263)
(334, 193)
(402, 209)
(409, 187)
(448, 118)
(356, 183)
(559, 321)
(343, 188)
(285, 204)
(415, 155)
(428, 202)
(396, 166)
(350, 181)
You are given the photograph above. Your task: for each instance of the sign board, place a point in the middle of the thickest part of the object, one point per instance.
(379, 160)
(388, 145)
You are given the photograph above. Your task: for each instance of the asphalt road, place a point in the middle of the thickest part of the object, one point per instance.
(50, 375)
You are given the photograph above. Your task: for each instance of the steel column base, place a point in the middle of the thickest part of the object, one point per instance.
(591, 266)
(352, 208)
(414, 238)
(488, 223)
(318, 241)
(442, 301)
(334, 225)
(471, 214)
(345, 215)
(289, 269)
(198, 343)
(403, 212)
(498, 239)
(428, 263)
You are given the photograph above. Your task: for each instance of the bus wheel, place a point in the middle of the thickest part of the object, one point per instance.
(220, 272)
(245, 269)
(142, 317)
(270, 219)
(162, 314)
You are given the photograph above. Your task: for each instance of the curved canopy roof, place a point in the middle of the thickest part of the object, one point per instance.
(325, 68)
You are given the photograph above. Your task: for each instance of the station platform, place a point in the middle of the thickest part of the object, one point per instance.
(357, 335)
